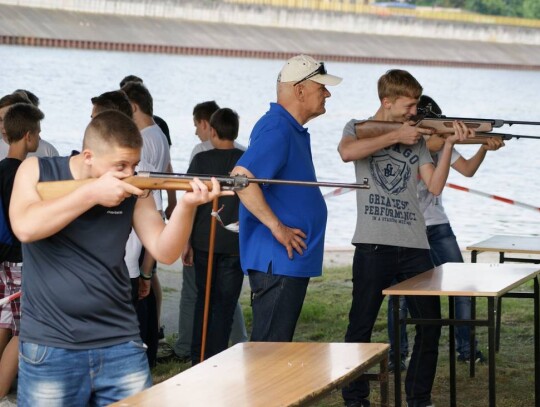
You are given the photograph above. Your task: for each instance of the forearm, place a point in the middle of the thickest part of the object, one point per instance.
(471, 165)
(167, 245)
(41, 219)
(440, 173)
(253, 199)
(352, 149)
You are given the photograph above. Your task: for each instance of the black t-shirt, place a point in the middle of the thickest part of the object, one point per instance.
(8, 169)
(216, 162)
(162, 124)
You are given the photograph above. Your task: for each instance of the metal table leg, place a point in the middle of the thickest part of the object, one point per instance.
(491, 345)
(536, 343)
(452, 344)
(397, 351)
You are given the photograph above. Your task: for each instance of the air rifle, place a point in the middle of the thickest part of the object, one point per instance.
(180, 182)
(443, 126)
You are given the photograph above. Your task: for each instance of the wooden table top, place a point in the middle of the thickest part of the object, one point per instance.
(264, 374)
(467, 279)
(509, 244)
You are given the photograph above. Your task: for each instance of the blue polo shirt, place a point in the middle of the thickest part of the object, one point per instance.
(280, 148)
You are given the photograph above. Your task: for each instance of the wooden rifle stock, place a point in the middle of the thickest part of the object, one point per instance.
(56, 189)
(374, 128)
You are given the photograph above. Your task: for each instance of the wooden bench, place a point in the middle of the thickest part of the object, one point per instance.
(269, 374)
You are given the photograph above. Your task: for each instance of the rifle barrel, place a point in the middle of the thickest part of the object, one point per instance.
(506, 136)
(241, 181)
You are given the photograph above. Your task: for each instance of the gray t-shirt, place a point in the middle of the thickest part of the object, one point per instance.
(431, 205)
(389, 212)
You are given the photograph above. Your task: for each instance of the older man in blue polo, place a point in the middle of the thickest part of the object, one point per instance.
(282, 226)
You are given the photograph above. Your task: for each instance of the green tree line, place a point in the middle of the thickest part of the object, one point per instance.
(509, 8)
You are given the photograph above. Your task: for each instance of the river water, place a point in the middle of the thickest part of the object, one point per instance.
(66, 79)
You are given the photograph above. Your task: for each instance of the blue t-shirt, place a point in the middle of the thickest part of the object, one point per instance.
(280, 148)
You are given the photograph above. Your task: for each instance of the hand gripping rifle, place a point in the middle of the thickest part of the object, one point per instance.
(443, 126)
(180, 182)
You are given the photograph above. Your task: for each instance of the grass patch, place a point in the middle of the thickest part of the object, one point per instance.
(324, 318)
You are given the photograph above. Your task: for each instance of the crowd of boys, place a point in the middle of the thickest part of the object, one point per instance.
(89, 321)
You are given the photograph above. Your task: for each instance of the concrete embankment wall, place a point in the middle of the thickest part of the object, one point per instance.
(61, 28)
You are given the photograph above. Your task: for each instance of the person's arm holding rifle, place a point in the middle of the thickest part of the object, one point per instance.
(109, 190)
(28, 206)
(468, 167)
(435, 177)
(356, 148)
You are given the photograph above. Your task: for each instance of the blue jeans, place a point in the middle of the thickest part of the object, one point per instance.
(65, 377)
(276, 302)
(444, 249)
(227, 278)
(375, 267)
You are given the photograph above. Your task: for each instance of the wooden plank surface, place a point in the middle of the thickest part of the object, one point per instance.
(264, 374)
(466, 279)
(509, 244)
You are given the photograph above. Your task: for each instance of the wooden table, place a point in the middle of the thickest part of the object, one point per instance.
(470, 280)
(508, 244)
(268, 374)
(503, 244)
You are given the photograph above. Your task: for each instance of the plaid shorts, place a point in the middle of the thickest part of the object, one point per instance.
(10, 283)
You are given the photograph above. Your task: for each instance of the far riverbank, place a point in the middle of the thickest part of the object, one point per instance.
(84, 30)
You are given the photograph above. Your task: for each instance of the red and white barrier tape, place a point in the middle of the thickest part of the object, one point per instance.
(337, 192)
(10, 298)
(496, 197)
(341, 191)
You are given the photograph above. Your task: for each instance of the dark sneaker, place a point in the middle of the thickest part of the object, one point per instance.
(161, 332)
(421, 404)
(181, 359)
(478, 359)
(165, 352)
(403, 364)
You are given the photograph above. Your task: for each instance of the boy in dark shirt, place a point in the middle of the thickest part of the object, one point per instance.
(22, 128)
(227, 274)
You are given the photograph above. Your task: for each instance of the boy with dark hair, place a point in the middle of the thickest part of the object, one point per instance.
(22, 127)
(115, 100)
(159, 121)
(227, 276)
(45, 149)
(73, 248)
(202, 113)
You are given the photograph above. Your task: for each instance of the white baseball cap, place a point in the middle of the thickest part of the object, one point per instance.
(303, 67)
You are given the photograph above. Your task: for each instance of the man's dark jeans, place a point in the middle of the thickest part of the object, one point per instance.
(375, 267)
(227, 278)
(276, 301)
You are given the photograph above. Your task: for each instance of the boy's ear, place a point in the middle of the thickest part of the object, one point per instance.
(88, 155)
